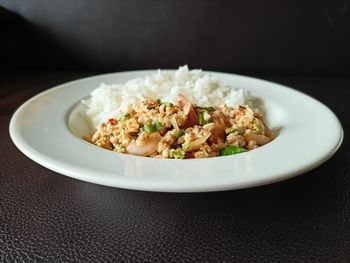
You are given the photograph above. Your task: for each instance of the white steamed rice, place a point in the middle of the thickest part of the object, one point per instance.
(110, 101)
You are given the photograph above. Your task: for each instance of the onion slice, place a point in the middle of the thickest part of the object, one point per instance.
(195, 145)
(174, 123)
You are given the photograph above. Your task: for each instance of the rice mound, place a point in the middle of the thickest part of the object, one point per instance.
(110, 101)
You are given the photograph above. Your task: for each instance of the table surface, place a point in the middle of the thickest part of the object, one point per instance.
(48, 217)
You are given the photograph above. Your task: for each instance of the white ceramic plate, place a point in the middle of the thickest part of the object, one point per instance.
(48, 127)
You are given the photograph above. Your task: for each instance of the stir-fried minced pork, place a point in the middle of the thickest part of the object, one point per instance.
(183, 131)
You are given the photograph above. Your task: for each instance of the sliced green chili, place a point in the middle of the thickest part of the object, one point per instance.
(177, 154)
(148, 127)
(201, 119)
(179, 133)
(125, 116)
(210, 109)
(158, 125)
(231, 149)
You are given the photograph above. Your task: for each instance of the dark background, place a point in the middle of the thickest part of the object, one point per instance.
(255, 37)
(46, 217)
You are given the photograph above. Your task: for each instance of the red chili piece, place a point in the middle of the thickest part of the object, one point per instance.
(112, 121)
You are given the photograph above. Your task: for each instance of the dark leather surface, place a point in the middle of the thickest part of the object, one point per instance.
(272, 37)
(47, 217)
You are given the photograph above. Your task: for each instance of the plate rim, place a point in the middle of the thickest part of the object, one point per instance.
(38, 157)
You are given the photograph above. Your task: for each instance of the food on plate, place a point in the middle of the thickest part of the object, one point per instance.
(180, 115)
